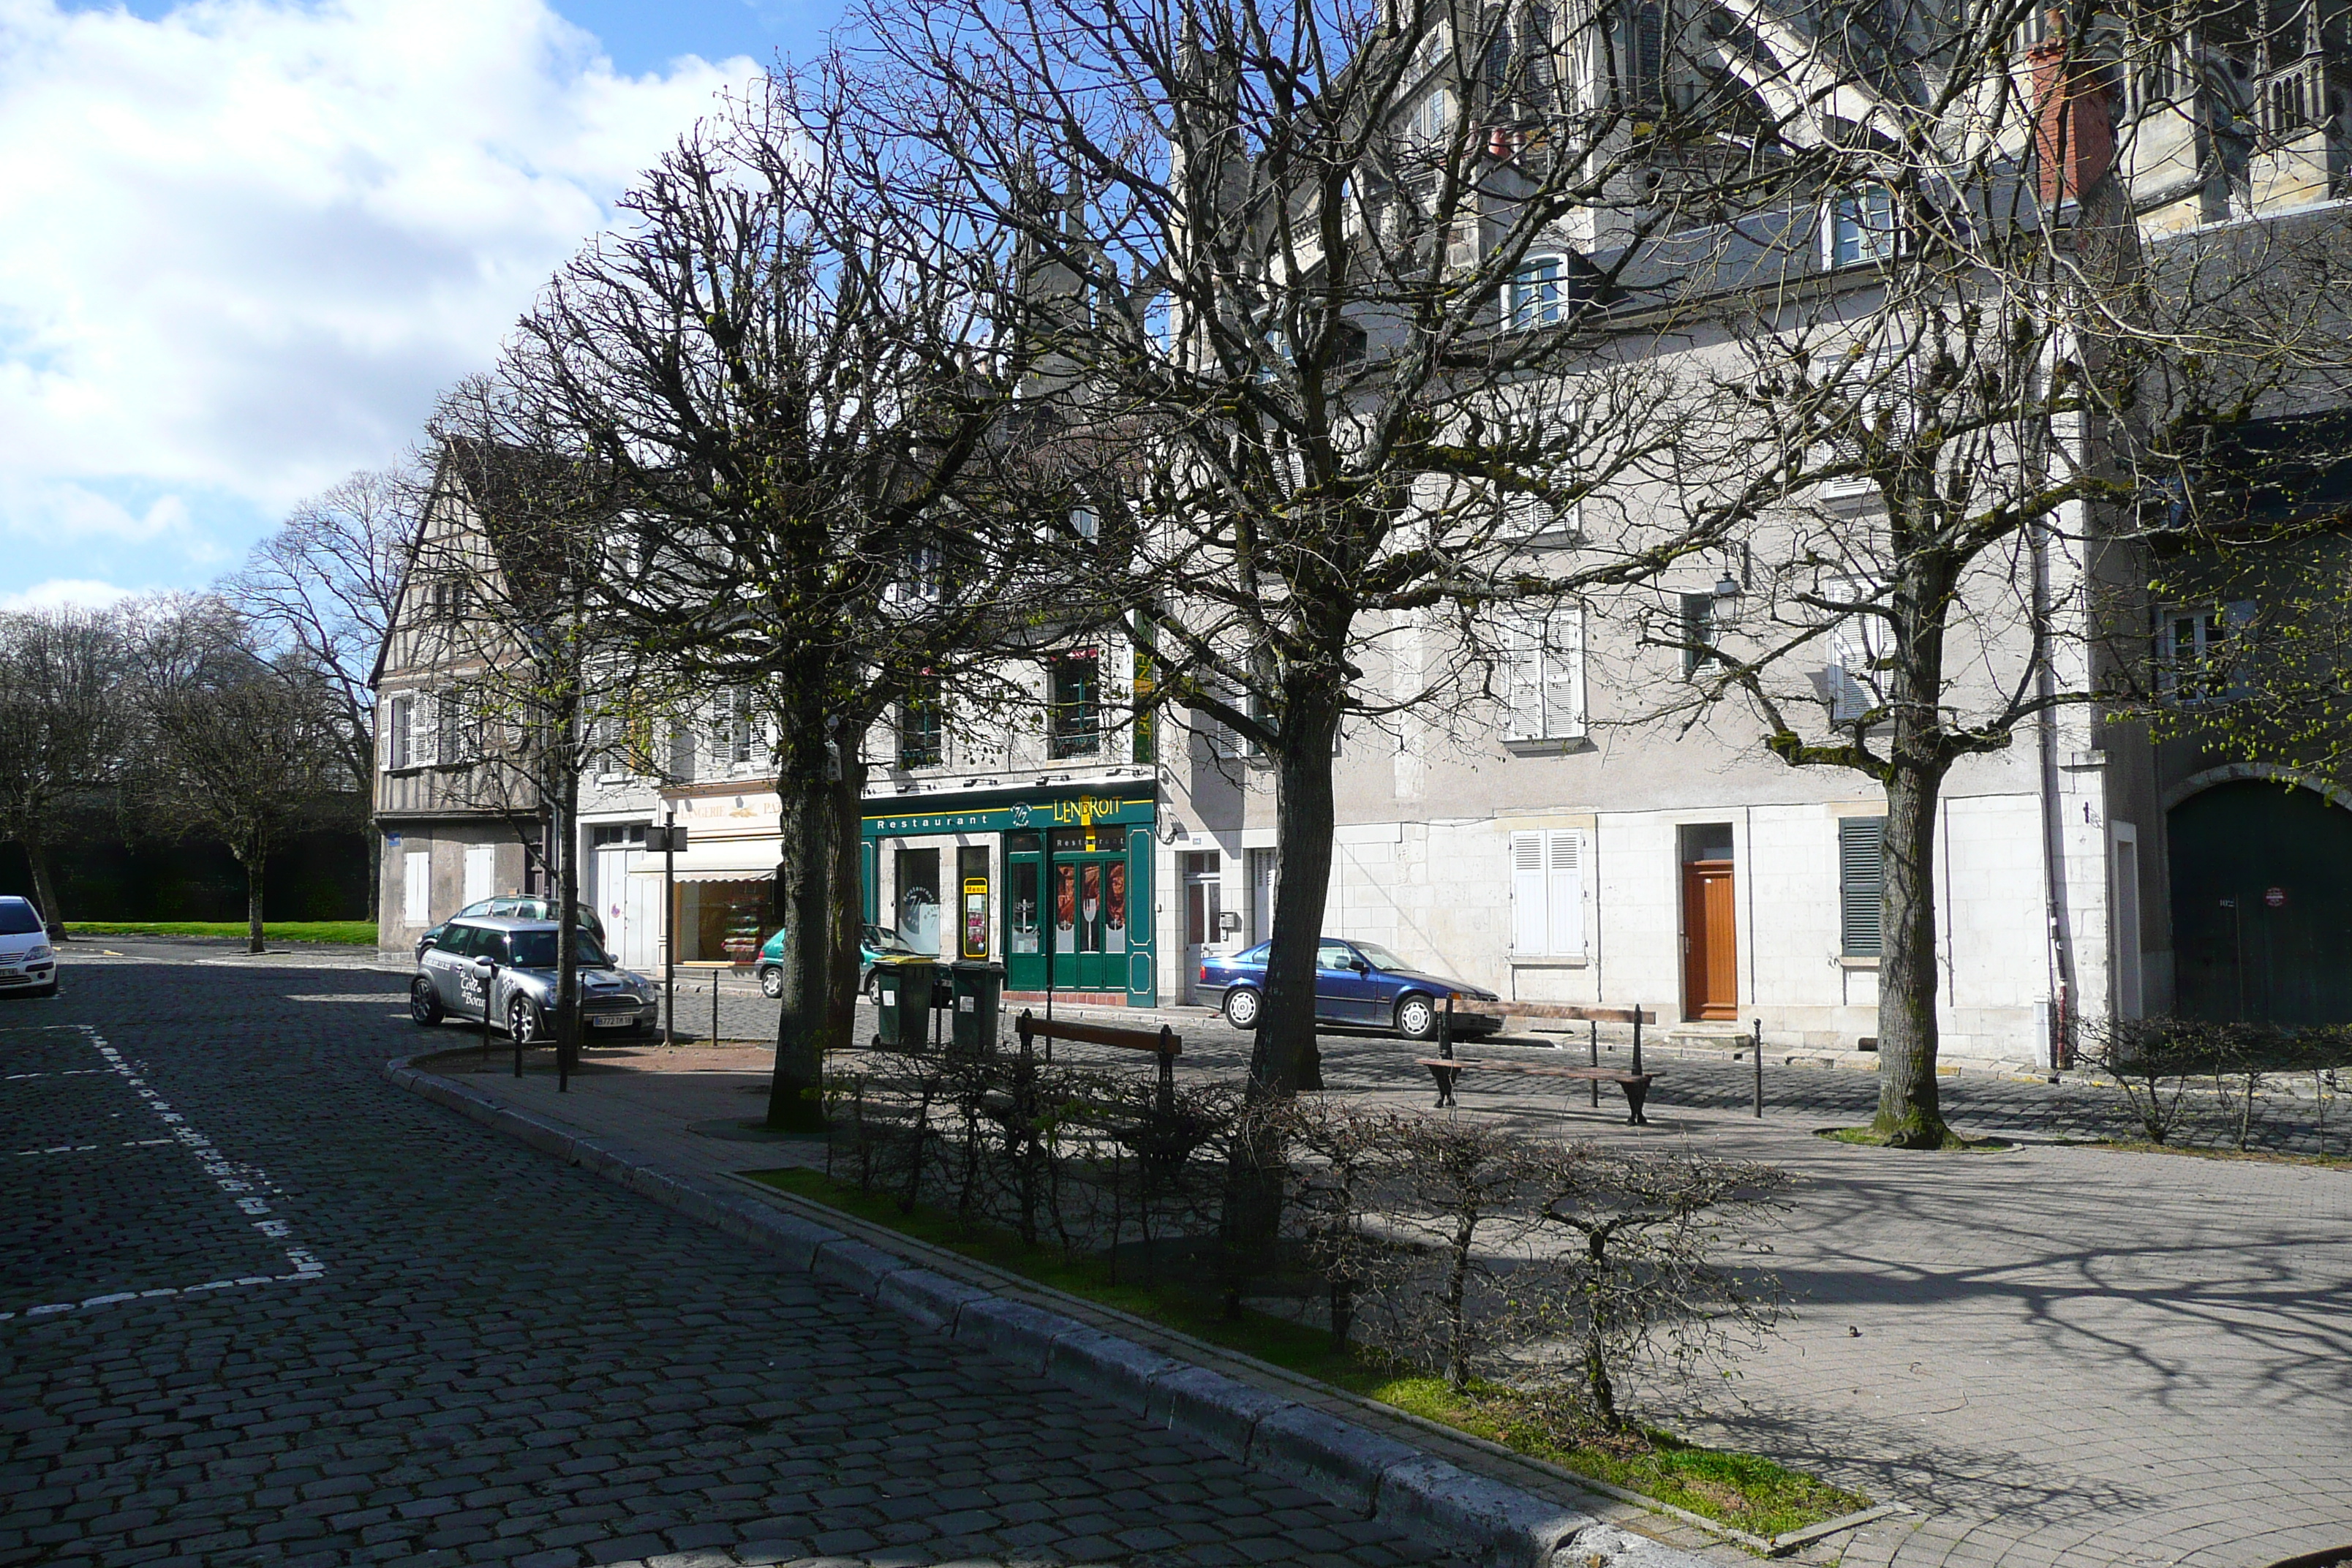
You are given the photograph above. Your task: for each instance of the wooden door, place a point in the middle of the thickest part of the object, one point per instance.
(1710, 943)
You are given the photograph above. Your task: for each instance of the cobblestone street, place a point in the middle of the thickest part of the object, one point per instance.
(266, 1308)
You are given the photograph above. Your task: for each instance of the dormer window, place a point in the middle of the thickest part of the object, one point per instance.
(1859, 227)
(1536, 296)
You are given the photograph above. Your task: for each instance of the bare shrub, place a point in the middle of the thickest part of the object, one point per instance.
(1643, 1280)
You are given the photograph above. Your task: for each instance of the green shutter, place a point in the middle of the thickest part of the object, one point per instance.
(1862, 883)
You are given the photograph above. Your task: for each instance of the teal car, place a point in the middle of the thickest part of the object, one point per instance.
(874, 941)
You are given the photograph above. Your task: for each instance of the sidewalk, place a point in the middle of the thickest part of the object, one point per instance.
(694, 1111)
(2059, 1356)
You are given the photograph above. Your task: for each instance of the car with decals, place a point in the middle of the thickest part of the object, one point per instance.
(520, 994)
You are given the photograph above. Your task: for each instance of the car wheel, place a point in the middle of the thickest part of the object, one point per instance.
(523, 1021)
(874, 987)
(1242, 1005)
(771, 982)
(1416, 1018)
(424, 1006)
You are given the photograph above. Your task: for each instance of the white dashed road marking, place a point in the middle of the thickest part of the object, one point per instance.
(244, 1186)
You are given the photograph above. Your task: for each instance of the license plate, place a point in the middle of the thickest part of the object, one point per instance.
(612, 1023)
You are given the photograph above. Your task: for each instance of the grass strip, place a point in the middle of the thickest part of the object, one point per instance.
(348, 933)
(1865, 1137)
(1743, 1491)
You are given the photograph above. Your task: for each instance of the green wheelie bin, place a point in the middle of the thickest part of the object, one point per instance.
(977, 986)
(902, 996)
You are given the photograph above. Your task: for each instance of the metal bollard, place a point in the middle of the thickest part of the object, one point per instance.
(1756, 1048)
(1594, 1044)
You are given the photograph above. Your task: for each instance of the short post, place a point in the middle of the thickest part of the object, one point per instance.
(489, 980)
(1445, 1030)
(1637, 1036)
(1756, 1047)
(714, 1006)
(1592, 1043)
(1167, 1072)
(1021, 1026)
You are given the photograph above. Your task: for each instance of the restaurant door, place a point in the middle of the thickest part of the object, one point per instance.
(1072, 911)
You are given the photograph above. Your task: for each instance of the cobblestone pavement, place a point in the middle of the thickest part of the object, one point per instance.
(2061, 1357)
(263, 1308)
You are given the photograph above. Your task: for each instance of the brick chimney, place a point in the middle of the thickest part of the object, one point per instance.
(2074, 135)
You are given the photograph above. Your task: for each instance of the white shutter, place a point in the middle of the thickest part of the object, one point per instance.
(424, 749)
(1523, 687)
(1563, 676)
(2239, 655)
(395, 721)
(1529, 913)
(1564, 889)
(417, 887)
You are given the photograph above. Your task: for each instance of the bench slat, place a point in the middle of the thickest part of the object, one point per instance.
(1597, 1075)
(1104, 1035)
(1557, 1010)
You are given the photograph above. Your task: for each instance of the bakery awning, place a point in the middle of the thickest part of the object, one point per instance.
(719, 860)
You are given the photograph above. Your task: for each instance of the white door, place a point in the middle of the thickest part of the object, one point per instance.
(481, 871)
(627, 924)
(1203, 913)
(644, 920)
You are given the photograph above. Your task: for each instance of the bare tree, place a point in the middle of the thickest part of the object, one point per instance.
(799, 395)
(1345, 268)
(236, 743)
(326, 583)
(65, 718)
(1944, 370)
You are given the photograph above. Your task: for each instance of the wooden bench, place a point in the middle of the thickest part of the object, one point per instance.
(1636, 1085)
(1446, 1067)
(1164, 1043)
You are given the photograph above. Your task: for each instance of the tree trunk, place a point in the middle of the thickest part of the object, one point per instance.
(1285, 1059)
(45, 892)
(820, 911)
(257, 862)
(1910, 1115)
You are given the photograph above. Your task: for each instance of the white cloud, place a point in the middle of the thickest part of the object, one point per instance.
(248, 241)
(59, 592)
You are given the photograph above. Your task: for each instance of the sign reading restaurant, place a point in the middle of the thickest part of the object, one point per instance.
(1070, 811)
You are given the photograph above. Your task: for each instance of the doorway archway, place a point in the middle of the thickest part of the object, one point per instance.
(2262, 905)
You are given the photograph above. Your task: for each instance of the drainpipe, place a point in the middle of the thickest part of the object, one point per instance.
(2059, 950)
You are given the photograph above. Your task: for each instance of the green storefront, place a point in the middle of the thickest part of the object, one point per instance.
(1058, 878)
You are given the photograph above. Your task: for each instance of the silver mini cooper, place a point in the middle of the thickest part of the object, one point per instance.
(519, 957)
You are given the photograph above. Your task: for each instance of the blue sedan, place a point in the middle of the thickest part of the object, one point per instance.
(1354, 983)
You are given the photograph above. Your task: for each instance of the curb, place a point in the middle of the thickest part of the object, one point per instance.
(1488, 1521)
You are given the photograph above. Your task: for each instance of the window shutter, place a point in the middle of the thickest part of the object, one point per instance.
(1529, 917)
(1565, 889)
(1523, 692)
(1563, 676)
(2238, 653)
(1862, 883)
(425, 727)
(395, 732)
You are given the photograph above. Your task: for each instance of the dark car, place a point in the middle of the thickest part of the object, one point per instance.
(1354, 983)
(874, 941)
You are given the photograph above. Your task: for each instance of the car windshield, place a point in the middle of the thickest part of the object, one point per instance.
(536, 950)
(1380, 956)
(16, 918)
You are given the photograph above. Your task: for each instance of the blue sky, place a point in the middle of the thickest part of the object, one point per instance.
(251, 239)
